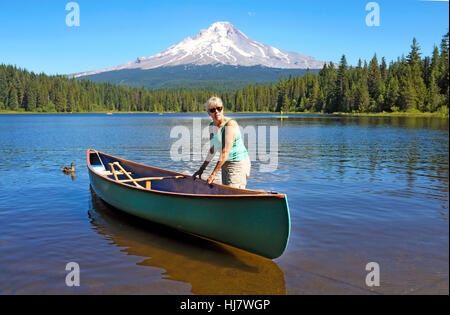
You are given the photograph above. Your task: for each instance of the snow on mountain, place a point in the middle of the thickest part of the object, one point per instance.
(221, 43)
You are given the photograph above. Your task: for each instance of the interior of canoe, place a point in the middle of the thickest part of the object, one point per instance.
(104, 164)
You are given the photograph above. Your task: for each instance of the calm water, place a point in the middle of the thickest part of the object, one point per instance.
(360, 190)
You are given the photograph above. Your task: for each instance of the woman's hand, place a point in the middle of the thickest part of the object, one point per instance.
(211, 178)
(198, 174)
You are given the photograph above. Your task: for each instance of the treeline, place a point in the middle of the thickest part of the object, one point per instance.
(410, 83)
(21, 90)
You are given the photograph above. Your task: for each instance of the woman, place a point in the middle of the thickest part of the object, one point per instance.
(227, 139)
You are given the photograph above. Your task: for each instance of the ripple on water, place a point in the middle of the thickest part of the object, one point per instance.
(359, 190)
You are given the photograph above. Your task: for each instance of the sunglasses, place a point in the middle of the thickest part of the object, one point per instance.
(213, 110)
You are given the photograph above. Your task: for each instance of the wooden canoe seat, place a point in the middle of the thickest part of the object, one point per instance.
(115, 173)
(99, 169)
(146, 179)
(108, 173)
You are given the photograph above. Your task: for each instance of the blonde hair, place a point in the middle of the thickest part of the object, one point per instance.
(213, 101)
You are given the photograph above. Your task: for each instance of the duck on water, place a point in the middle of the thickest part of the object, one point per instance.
(69, 170)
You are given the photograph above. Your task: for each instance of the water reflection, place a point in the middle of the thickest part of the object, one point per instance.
(209, 267)
(389, 122)
(360, 189)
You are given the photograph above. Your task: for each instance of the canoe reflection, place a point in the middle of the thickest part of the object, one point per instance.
(210, 267)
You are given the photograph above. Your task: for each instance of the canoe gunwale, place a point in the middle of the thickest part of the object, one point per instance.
(249, 193)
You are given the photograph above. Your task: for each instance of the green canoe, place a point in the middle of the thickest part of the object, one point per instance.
(255, 221)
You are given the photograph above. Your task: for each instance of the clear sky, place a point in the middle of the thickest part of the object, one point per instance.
(34, 34)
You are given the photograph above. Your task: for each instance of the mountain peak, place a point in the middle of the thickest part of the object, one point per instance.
(221, 43)
(219, 30)
(219, 25)
(222, 27)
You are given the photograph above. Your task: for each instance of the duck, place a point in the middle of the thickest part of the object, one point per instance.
(69, 170)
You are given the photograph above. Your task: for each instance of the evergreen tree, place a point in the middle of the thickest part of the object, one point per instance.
(414, 54)
(383, 69)
(363, 97)
(374, 82)
(415, 84)
(3, 86)
(408, 98)
(443, 78)
(30, 99)
(434, 98)
(239, 102)
(60, 101)
(393, 93)
(341, 86)
(282, 97)
(13, 100)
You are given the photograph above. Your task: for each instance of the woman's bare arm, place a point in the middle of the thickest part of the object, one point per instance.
(209, 157)
(230, 137)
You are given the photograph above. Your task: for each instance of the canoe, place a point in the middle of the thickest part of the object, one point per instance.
(252, 220)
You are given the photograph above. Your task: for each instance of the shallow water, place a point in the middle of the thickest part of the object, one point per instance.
(360, 190)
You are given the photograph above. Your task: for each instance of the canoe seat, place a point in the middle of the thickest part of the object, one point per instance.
(99, 169)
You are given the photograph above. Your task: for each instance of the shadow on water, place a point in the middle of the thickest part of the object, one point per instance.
(209, 267)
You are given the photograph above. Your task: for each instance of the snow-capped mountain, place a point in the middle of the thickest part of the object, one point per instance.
(221, 43)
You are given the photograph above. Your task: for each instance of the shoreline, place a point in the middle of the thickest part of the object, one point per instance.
(396, 114)
(383, 114)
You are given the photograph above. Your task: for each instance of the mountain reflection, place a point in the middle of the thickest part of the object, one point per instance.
(209, 267)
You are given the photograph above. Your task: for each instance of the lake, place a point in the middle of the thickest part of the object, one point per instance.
(360, 190)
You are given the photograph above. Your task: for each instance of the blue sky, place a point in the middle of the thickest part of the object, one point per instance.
(34, 34)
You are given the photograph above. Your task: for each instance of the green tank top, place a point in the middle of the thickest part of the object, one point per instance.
(238, 151)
